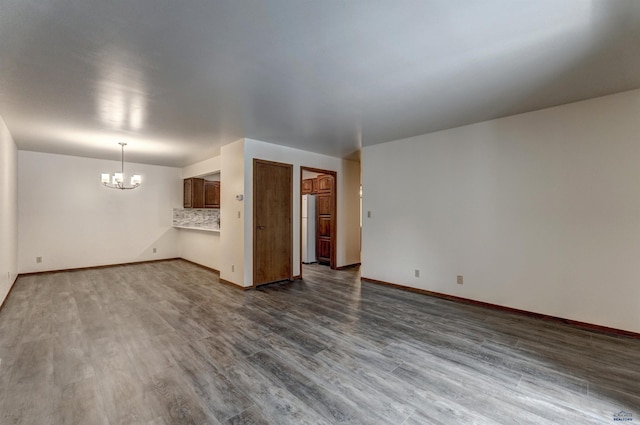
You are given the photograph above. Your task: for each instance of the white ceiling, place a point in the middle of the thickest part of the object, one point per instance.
(179, 79)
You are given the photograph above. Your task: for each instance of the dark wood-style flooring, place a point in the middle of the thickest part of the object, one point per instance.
(166, 343)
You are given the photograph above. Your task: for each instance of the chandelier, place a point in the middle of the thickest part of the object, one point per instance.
(116, 181)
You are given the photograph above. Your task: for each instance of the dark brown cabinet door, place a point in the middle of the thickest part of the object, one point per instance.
(187, 190)
(212, 194)
(324, 206)
(272, 219)
(325, 183)
(324, 227)
(193, 193)
(325, 219)
(324, 249)
(307, 186)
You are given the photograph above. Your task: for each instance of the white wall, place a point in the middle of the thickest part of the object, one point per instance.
(232, 213)
(70, 220)
(539, 211)
(195, 245)
(202, 168)
(8, 211)
(200, 247)
(348, 195)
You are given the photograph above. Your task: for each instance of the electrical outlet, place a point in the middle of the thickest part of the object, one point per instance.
(155, 250)
(417, 273)
(38, 259)
(460, 279)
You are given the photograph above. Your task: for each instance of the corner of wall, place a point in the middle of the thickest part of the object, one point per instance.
(232, 215)
(8, 211)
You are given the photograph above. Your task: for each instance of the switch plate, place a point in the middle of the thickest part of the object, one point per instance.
(38, 259)
(155, 250)
(368, 214)
(460, 279)
(417, 273)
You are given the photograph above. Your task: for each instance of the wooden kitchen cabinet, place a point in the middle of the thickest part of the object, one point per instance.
(201, 193)
(211, 194)
(309, 186)
(193, 193)
(325, 183)
(325, 211)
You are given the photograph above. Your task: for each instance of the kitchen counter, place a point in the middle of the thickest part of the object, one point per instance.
(203, 229)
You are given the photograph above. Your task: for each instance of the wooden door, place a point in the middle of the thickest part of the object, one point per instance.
(272, 219)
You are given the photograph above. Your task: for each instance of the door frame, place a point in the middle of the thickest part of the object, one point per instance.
(279, 164)
(334, 214)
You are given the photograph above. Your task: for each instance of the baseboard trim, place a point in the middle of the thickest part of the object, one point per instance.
(348, 266)
(15, 279)
(575, 323)
(129, 264)
(201, 266)
(228, 282)
(104, 266)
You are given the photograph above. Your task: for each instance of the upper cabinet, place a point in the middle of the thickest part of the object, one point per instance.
(325, 183)
(211, 194)
(201, 193)
(309, 186)
(193, 193)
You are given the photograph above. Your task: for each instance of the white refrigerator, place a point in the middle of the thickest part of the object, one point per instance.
(309, 229)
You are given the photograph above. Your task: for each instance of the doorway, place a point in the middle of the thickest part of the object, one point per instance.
(322, 185)
(272, 219)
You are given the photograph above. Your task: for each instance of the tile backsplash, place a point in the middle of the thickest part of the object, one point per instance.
(202, 218)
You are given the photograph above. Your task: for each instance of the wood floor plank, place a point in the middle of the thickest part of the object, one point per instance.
(167, 395)
(323, 400)
(251, 416)
(216, 392)
(166, 343)
(148, 355)
(121, 391)
(277, 404)
(31, 392)
(473, 399)
(71, 358)
(80, 404)
(344, 383)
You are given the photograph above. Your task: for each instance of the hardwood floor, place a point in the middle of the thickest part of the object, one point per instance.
(165, 343)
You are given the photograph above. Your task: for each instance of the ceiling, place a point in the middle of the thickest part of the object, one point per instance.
(178, 79)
